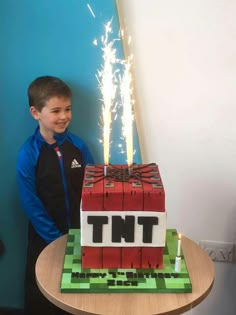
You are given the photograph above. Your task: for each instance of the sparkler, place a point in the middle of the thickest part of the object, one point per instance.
(107, 85)
(106, 79)
(127, 104)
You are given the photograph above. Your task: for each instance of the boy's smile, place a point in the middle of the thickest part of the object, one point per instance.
(54, 117)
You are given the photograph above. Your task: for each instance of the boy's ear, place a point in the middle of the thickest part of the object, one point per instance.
(34, 112)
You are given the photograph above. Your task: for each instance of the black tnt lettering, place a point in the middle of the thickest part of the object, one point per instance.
(147, 223)
(123, 228)
(97, 222)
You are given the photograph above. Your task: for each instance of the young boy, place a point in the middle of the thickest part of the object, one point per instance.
(50, 170)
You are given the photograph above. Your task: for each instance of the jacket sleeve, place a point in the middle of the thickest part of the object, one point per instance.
(80, 144)
(32, 205)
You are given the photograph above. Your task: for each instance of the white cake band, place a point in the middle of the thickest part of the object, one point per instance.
(157, 230)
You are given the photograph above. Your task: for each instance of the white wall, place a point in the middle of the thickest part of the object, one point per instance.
(185, 76)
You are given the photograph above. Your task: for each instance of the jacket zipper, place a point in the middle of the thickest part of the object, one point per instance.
(60, 158)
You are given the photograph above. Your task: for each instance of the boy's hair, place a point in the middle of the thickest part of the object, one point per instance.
(45, 87)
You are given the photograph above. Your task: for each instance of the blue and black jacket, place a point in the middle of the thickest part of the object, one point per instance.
(50, 181)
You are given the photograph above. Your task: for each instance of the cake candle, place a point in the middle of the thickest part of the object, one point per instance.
(105, 170)
(130, 170)
(178, 256)
(178, 264)
(179, 246)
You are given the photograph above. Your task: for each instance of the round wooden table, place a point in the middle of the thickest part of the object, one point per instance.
(48, 273)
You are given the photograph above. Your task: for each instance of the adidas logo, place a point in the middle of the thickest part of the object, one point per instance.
(75, 164)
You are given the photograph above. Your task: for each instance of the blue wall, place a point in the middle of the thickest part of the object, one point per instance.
(38, 38)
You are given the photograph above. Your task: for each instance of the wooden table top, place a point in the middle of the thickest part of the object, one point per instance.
(49, 269)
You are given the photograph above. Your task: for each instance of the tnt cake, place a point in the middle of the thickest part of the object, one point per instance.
(123, 218)
(123, 244)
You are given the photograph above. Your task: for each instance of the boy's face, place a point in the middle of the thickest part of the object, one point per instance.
(54, 117)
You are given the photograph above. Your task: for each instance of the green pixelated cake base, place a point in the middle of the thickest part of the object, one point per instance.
(76, 279)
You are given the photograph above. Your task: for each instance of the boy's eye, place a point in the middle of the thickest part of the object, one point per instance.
(58, 110)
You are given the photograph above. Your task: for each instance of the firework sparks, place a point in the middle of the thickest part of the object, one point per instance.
(90, 9)
(108, 84)
(127, 104)
(106, 79)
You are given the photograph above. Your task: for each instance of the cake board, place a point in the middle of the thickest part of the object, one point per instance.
(76, 279)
